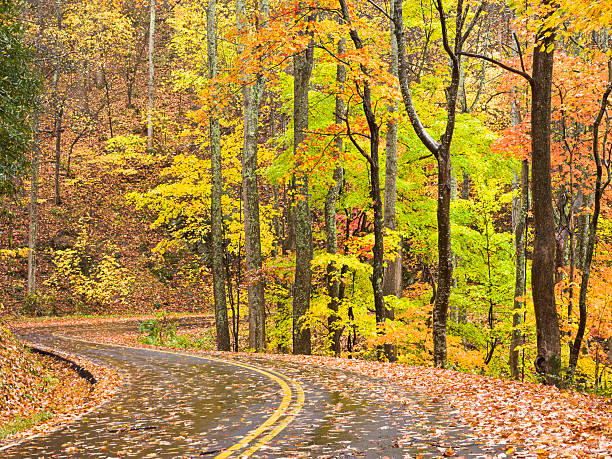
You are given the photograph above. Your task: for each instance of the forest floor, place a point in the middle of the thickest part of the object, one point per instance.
(40, 393)
(545, 421)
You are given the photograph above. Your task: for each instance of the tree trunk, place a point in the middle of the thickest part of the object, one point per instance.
(58, 111)
(548, 361)
(331, 232)
(392, 277)
(152, 73)
(33, 226)
(251, 98)
(221, 320)
(445, 255)
(303, 62)
(582, 222)
(465, 186)
(59, 117)
(108, 107)
(520, 209)
(375, 192)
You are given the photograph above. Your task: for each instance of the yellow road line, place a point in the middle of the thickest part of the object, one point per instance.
(279, 428)
(279, 378)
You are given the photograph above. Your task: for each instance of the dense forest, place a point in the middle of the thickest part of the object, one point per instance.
(422, 182)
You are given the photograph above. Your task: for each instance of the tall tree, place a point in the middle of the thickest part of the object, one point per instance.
(58, 107)
(331, 232)
(19, 94)
(441, 150)
(303, 62)
(151, 74)
(520, 207)
(221, 320)
(548, 360)
(392, 277)
(601, 160)
(375, 192)
(392, 280)
(251, 96)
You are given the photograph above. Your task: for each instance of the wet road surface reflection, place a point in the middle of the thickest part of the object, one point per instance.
(189, 406)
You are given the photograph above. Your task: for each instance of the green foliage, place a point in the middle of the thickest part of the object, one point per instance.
(22, 423)
(19, 88)
(162, 331)
(158, 331)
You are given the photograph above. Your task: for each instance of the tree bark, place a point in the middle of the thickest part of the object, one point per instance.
(152, 74)
(221, 320)
(58, 112)
(303, 62)
(548, 361)
(520, 209)
(392, 276)
(59, 117)
(582, 222)
(33, 224)
(331, 232)
(251, 95)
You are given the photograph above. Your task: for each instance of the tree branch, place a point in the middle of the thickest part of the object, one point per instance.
(500, 64)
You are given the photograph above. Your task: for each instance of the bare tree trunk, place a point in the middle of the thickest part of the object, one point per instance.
(221, 320)
(251, 98)
(303, 62)
(520, 209)
(152, 75)
(33, 228)
(58, 111)
(108, 107)
(548, 360)
(331, 232)
(392, 277)
(59, 117)
(582, 222)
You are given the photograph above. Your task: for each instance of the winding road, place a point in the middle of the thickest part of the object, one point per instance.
(174, 404)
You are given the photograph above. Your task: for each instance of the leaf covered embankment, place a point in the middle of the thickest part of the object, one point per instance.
(39, 392)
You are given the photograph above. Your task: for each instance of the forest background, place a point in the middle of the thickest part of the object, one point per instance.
(426, 182)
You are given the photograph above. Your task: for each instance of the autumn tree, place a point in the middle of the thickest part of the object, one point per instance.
(453, 46)
(221, 320)
(303, 62)
(251, 96)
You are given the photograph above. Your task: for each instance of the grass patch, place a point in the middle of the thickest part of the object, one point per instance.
(21, 423)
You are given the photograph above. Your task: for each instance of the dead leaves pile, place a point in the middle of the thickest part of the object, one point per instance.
(544, 420)
(24, 378)
(34, 383)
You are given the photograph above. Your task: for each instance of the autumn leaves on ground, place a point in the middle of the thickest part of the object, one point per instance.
(388, 186)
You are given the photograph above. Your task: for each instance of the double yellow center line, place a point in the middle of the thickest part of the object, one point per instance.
(291, 403)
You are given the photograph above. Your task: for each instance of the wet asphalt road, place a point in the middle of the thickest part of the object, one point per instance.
(191, 406)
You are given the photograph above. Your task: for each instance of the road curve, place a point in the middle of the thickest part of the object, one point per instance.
(197, 405)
